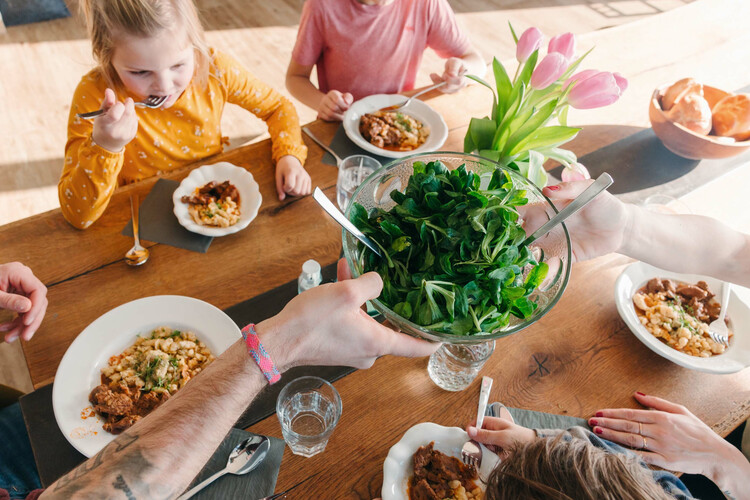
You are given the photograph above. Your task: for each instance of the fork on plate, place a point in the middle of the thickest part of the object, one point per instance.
(471, 452)
(718, 330)
(152, 101)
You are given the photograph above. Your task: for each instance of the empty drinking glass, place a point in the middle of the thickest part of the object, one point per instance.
(308, 409)
(352, 172)
(454, 366)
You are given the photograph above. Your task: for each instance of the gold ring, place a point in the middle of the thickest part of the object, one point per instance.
(640, 428)
(645, 443)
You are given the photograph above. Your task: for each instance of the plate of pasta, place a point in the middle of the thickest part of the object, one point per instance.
(416, 128)
(669, 313)
(130, 360)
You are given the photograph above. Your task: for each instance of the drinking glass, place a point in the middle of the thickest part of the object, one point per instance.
(454, 366)
(308, 409)
(352, 172)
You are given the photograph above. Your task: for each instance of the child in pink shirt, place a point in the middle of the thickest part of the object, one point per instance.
(365, 47)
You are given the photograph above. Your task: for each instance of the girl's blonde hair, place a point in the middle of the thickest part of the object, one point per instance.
(560, 469)
(145, 18)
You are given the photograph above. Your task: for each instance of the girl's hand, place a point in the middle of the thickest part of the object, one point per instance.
(291, 178)
(334, 105)
(117, 126)
(499, 434)
(599, 227)
(453, 75)
(671, 437)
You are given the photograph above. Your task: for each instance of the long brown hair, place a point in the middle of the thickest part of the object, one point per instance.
(560, 469)
(145, 18)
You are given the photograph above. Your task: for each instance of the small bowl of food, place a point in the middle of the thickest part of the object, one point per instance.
(698, 122)
(451, 229)
(217, 200)
(671, 313)
(416, 128)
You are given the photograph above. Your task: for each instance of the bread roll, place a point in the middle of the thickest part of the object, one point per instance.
(692, 112)
(678, 90)
(731, 117)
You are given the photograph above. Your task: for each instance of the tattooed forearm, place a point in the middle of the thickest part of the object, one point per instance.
(120, 484)
(116, 446)
(729, 495)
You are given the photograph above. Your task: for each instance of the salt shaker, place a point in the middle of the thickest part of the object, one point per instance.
(310, 276)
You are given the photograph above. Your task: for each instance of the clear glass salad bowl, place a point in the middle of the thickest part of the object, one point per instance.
(554, 248)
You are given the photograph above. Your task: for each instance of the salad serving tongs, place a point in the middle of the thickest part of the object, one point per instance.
(583, 199)
(334, 212)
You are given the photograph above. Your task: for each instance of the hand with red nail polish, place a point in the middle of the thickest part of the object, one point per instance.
(22, 293)
(668, 435)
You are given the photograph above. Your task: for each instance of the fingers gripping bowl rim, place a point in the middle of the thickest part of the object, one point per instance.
(375, 191)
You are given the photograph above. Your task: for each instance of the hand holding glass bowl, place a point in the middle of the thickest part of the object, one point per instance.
(553, 249)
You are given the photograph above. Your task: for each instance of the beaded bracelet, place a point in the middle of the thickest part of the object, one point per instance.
(259, 354)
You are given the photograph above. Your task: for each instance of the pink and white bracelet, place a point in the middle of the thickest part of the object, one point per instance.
(259, 354)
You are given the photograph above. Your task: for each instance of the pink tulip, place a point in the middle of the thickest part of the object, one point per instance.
(564, 44)
(580, 76)
(549, 70)
(621, 82)
(601, 89)
(576, 172)
(530, 40)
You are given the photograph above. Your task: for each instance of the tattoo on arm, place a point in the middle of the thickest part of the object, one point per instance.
(729, 495)
(120, 484)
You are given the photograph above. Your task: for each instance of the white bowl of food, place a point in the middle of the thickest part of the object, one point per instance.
(416, 128)
(398, 468)
(104, 342)
(217, 200)
(671, 326)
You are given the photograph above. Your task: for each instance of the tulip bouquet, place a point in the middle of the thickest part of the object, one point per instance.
(517, 133)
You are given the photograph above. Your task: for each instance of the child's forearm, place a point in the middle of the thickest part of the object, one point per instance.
(687, 243)
(87, 183)
(304, 91)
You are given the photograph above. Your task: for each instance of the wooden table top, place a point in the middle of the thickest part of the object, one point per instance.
(577, 359)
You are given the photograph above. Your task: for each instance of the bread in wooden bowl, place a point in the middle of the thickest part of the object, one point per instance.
(683, 141)
(731, 117)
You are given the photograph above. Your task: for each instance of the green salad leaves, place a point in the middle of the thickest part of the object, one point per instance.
(453, 259)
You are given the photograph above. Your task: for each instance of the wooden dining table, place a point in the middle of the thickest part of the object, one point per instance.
(577, 359)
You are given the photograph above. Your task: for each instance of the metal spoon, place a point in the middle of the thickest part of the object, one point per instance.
(583, 199)
(396, 107)
(245, 457)
(136, 255)
(334, 212)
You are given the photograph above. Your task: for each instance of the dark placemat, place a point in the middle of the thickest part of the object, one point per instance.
(258, 483)
(55, 456)
(343, 146)
(538, 419)
(159, 224)
(16, 12)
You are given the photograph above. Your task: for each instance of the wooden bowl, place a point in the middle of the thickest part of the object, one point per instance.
(687, 143)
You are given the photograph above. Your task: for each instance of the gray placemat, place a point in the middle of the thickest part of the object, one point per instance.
(159, 224)
(258, 483)
(538, 419)
(343, 146)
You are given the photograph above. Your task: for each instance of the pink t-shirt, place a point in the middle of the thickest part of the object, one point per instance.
(374, 49)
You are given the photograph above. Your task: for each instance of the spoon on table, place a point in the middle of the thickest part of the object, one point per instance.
(245, 457)
(583, 199)
(334, 212)
(136, 255)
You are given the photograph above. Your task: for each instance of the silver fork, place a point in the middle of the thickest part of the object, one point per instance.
(718, 330)
(471, 453)
(396, 107)
(152, 101)
(322, 145)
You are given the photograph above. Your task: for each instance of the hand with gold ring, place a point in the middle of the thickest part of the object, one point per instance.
(668, 435)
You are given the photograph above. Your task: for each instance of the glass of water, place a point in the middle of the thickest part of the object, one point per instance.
(308, 409)
(454, 366)
(352, 172)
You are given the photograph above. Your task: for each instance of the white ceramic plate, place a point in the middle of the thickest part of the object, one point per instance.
(249, 196)
(737, 355)
(417, 109)
(109, 335)
(399, 466)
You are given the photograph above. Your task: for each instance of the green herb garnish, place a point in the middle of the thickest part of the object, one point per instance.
(453, 259)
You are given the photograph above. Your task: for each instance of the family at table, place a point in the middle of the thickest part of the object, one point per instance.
(359, 47)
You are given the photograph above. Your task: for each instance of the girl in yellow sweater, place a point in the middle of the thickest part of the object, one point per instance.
(157, 47)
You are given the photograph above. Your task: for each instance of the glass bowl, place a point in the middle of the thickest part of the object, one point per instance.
(554, 248)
